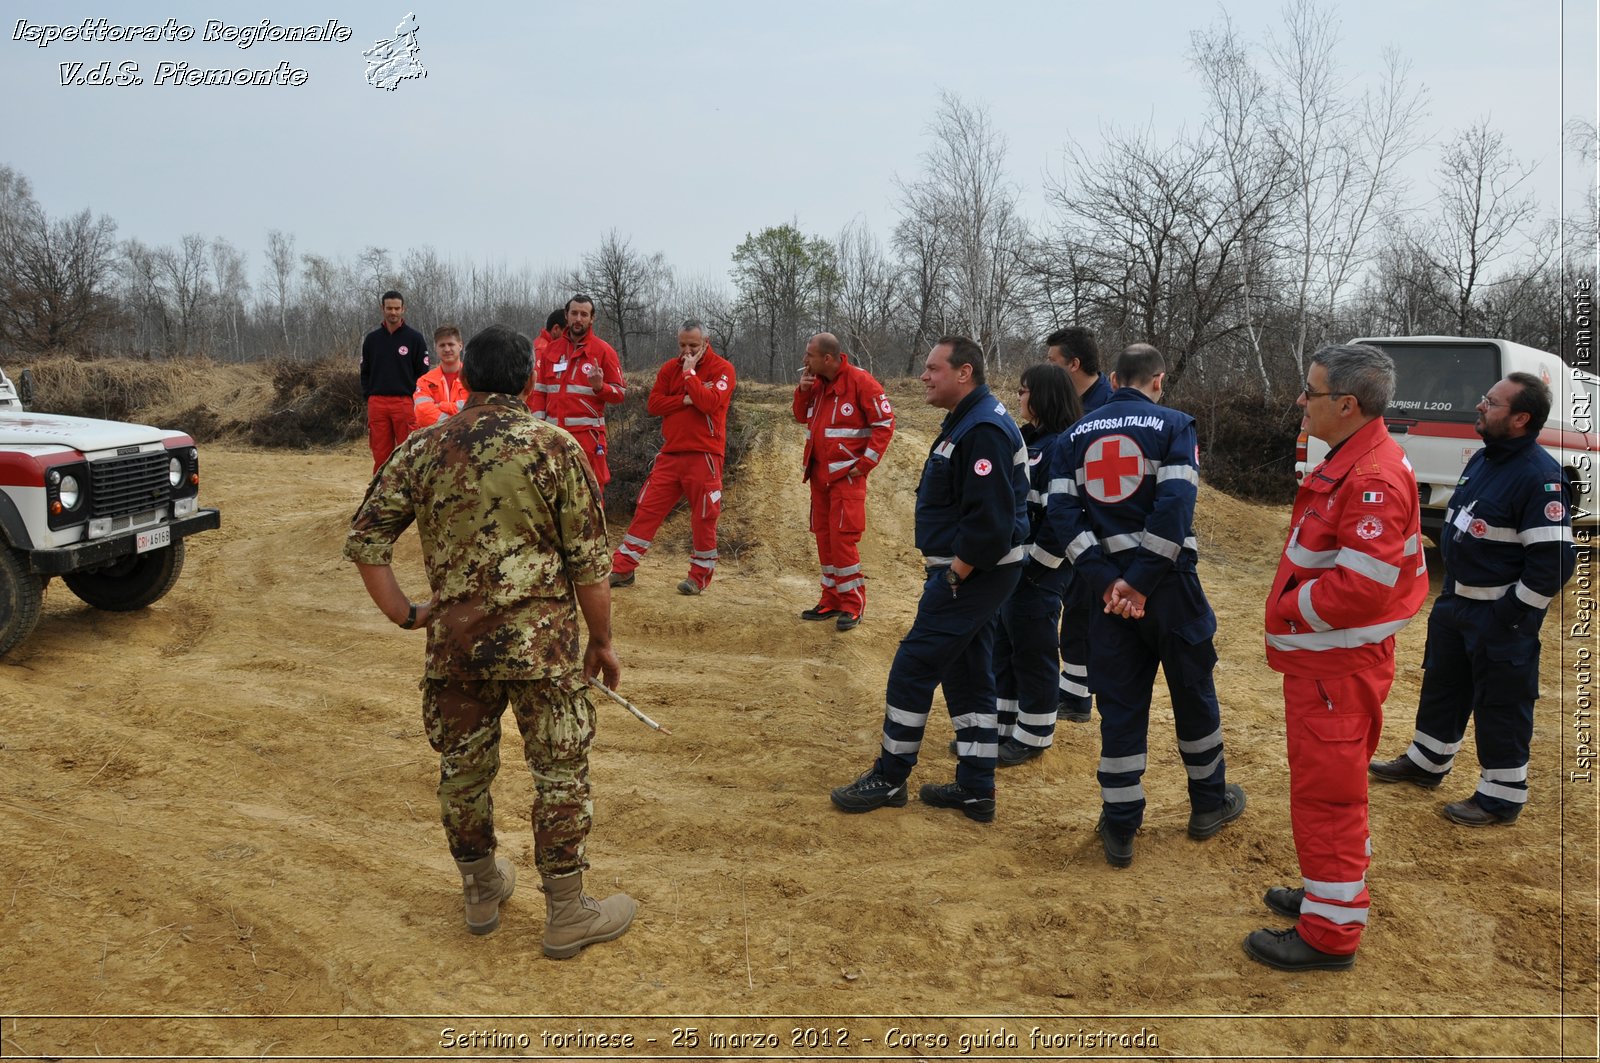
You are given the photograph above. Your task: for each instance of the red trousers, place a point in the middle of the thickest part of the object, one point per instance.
(1333, 729)
(695, 476)
(594, 448)
(390, 418)
(838, 517)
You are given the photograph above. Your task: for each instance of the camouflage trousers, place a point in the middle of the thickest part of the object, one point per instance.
(462, 718)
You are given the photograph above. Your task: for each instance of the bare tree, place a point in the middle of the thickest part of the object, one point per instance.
(280, 281)
(626, 285)
(54, 275)
(1484, 214)
(965, 194)
(230, 288)
(869, 294)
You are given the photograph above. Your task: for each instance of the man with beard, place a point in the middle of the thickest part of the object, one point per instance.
(574, 380)
(1508, 550)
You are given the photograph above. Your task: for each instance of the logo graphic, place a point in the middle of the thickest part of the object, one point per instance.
(982, 467)
(1369, 527)
(404, 349)
(1555, 511)
(883, 404)
(847, 409)
(722, 385)
(1113, 469)
(394, 60)
(1478, 528)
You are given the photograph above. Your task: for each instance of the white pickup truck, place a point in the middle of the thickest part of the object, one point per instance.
(103, 504)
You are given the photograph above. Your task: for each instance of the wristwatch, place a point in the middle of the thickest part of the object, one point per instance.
(951, 578)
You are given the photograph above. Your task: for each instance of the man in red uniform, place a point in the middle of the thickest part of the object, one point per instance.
(441, 392)
(691, 396)
(555, 326)
(1352, 574)
(849, 425)
(394, 356)
(574, 379)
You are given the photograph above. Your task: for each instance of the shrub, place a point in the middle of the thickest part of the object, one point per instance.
(1247, 444)
(320, 404)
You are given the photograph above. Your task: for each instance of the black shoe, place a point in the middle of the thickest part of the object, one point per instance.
(1119, 847)
(621, 581)
(1011, 753)
(1404, 769)
(1074, 709)
(1469, 813)
(816, 612)
(953, 751)
(953, 795)
(869, 792)
(1285, 900)
(1203, 825)
(847, 621)
(689, 586)
(1287, 951)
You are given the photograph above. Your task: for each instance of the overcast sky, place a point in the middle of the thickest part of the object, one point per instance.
(683, 125)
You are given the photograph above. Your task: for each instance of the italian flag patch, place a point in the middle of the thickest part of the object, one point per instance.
(1552, 487)
(1372, 498)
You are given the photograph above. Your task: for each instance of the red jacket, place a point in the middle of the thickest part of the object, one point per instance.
(850, 423)
(1352, 573)
(436, 397)
(701, 425)
(562, 393)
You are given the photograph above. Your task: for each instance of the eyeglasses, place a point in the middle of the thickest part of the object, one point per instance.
(1490, 403)
(1309, 394)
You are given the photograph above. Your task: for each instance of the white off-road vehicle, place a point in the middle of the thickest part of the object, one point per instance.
(103, 504)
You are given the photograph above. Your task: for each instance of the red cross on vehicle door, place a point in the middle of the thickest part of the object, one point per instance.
(1113, 468)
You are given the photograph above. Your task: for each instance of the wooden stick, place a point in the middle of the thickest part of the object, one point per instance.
(625, 703)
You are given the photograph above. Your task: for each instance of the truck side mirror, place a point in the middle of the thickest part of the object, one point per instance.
(25, 386)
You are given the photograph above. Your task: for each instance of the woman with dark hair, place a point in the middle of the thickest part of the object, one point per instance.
(1026, 647)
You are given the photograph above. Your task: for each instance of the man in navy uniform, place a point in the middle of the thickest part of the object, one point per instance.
(1508, 550)
(1074, 349)
(971, 522)
(1128, 480)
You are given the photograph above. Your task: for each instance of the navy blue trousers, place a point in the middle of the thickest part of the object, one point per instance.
(950, 645)
(1077, 607)
(1175, 633)
(1025, 664)
(1473, 667)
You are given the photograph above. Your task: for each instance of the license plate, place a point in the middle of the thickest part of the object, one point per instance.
(154, 539)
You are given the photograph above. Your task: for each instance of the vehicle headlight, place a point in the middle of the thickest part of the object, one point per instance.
(69, 493)
(174, 472)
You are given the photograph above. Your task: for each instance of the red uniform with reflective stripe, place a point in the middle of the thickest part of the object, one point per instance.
(563, 395)
(438, 395)
(849, 425)
(1351, 575)
(689, 465)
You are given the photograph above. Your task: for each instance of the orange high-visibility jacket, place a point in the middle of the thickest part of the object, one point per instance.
(850, 423)
(438, 397)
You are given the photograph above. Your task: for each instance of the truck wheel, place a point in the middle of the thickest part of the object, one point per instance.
(20, 594)
(131, 582)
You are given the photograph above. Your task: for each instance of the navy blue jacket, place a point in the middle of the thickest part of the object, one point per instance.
(1122, 493)
(1098, 395)
(1507, 534)
(972, 502)
(1046, 549)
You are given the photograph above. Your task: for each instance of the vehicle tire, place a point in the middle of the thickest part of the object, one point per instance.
(131, 582)
(21, 591)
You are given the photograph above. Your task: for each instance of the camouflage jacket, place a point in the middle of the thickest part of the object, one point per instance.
(509, 519)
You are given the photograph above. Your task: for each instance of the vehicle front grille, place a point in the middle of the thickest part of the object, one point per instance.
(119, 486)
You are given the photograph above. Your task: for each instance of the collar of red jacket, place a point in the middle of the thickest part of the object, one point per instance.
(1359, 442)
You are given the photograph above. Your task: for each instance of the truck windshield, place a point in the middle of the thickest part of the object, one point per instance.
(1441, 381)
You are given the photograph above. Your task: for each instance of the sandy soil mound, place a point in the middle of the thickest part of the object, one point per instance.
(219, 833)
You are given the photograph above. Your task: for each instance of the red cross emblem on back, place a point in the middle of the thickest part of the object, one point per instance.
(1113, 469)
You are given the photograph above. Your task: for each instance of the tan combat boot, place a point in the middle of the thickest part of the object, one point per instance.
(572, 919)
(485, 882)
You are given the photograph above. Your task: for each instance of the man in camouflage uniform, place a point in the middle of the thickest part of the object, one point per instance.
(514, 544)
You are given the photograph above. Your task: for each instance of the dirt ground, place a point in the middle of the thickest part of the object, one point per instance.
(219, 838)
